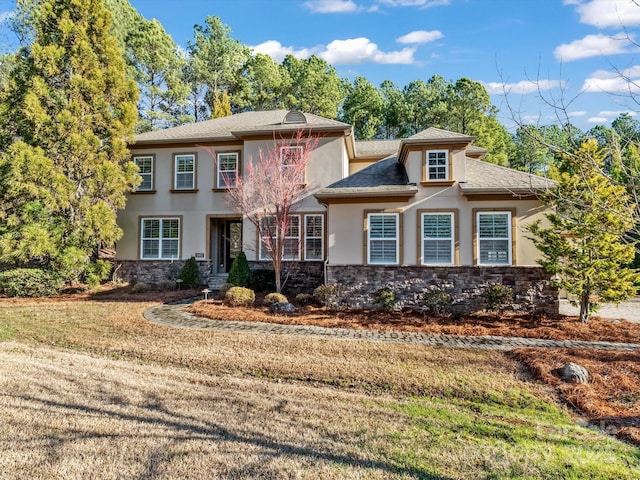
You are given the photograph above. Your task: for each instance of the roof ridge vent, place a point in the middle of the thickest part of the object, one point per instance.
(294, 116)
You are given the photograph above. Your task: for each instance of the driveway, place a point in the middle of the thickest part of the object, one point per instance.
(629, 310)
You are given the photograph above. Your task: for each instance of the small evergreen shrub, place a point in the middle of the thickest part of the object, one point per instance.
(262, 280)
(190, 274)
(384, 298)
(497, 298)
(304, 299)
(224, 289)
(29, 282)
(140, 287)
(435, 300)
(272, 298)
(239, 297)
(329, 295)
(173, 272)
(239, 273)
(97, 272)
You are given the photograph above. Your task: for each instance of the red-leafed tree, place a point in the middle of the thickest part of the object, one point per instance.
(269, 191)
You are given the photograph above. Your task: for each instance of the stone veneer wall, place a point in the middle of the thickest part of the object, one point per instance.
(298, 277)
(155, 272)
(531, 285)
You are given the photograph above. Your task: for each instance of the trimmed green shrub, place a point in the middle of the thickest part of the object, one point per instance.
(190, 274)
(272, 298)
(140, 287)
(97, 272)
(239, 297)
(239, 273)
(263, 280)
(29, 282)
(304, 299)
(435, 300)
(384, 298)
(497, 298)
(329, 295)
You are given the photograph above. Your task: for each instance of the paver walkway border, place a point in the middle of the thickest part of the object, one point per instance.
(174, 315)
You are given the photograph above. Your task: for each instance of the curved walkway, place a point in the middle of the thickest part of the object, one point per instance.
(174, 315)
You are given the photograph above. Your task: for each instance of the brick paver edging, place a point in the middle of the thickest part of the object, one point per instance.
(174, 315)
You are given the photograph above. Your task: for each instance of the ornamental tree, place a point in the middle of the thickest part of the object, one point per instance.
(67, 111)
(268, 193)
(583, 244)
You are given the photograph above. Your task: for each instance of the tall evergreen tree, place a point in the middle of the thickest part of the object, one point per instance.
(583, 242)
(70, 110)
(363, 108)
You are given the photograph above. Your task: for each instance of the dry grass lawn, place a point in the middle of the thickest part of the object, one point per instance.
(89, 389)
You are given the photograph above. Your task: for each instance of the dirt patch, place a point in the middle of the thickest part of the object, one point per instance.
(508, 324)
(611, 398)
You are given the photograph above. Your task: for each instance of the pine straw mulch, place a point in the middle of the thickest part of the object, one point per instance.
(557, 327)
(611, 398)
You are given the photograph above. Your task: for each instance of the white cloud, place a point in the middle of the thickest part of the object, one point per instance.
(616, 113)
(331, 6)
(593, 46)
(420, 36)
(354, 51)
(523, 87)
(576, 114)
(415, 3)
(277, 51)
(608, 13)
(604, 81)
(597, 120)
(5, 15)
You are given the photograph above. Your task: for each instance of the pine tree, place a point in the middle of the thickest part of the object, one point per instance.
(583, 243)
(69, 110)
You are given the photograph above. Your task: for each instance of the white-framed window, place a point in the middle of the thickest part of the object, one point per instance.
(185, 172)
(494, 238)
(160, 238)
(437, 165)
(290, 155)
(145, 172)
(227, 170)
(382, 238)
(438, 238)
(313, 237)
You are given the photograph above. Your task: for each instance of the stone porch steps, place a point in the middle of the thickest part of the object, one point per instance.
(215, 282)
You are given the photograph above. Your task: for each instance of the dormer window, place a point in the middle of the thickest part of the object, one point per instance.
(437, 165)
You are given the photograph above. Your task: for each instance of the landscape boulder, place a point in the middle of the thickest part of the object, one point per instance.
(573, 373)
(282, 307)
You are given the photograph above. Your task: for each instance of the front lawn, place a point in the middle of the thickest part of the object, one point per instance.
(89, 388)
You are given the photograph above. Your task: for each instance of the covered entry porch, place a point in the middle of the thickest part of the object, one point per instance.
(225, 243)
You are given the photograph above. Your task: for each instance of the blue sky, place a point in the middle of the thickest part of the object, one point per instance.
(566, 52)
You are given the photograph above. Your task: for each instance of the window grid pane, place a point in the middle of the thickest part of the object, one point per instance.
(437, 165)
(185, 172)
(314, 237)
(227, 170)
(383, 241)
(494, 241)
(160, 238)
(437, 236)
(145, 172)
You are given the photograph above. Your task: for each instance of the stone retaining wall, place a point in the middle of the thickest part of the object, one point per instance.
(298, 277)
(157, 272)
(530, 285)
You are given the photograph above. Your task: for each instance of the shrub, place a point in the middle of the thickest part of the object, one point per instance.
(263, 280)
(497, 298)
(224, 289)
(190, 274)
(239, 297)
(329, 295)
(435, 300)
(239, 273)
(304, 299)
(97, 272)
(272, 298)
(29, 282)
(140, 287)
(384, 298)
(173, 272)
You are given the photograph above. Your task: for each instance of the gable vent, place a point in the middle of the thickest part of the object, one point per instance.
(294, 116)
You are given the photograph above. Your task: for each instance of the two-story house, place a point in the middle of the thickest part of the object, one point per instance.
(411, 213)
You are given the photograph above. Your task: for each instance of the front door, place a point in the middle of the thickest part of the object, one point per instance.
(229, 243)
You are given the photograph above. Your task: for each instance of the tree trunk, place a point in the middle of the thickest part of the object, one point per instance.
(585, 306)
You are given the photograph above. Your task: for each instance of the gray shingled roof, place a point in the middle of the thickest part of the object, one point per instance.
(228, 128)
(375, 148)
(483, 176)
(382, 173)
(433, 133)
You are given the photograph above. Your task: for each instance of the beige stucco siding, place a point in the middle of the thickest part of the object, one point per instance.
(347, 238)
(327, 165)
